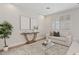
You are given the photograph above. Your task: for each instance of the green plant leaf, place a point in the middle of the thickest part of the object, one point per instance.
(5, 29)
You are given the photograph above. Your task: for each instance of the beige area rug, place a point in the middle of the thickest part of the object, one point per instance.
(37, 49)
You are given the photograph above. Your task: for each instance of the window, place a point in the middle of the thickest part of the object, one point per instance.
(56, 25)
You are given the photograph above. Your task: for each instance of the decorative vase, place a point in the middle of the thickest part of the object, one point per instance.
(5, 49)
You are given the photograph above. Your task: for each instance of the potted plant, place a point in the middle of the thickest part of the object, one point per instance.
(5, 32)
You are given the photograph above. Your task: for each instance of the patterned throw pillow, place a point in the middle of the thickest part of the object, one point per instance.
(57, 34)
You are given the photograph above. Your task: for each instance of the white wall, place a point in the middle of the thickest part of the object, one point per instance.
(74, 20)
(12, 14)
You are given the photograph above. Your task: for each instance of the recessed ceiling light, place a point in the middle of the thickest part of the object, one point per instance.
(47, 7)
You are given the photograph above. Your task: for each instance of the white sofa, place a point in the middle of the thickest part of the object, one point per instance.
(66, 41)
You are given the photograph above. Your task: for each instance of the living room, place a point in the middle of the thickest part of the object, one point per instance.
(44, 23)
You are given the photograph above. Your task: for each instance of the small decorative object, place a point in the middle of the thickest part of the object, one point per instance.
(44, 43)
(5, 31)
(35, 28)
(49, 40)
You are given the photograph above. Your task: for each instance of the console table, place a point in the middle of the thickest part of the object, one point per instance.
(33, 39)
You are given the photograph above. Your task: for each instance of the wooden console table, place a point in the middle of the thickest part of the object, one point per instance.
(33, 39)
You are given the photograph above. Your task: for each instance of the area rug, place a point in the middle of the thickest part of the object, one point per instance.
(37, 49)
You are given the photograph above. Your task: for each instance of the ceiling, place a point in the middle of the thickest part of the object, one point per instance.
(44, 8)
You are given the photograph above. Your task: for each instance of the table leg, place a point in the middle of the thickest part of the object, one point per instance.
(25, 35)
(35, 35)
